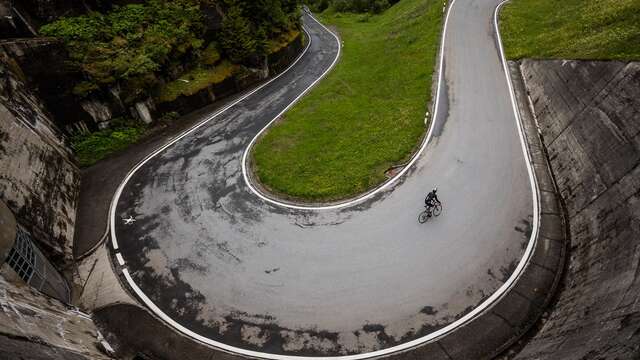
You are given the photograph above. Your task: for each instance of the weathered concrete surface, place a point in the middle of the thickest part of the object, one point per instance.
(34, 326)
(7, 231)
(100, 284)
(589, 118)
(38, 178)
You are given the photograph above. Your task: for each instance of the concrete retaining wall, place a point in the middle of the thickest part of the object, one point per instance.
(589, 118)
(38, 178)
(37, 327)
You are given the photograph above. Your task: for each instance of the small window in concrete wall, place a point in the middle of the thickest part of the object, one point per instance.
(21, 257)
(34, 268)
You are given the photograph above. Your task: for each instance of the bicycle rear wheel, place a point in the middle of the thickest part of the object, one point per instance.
(423, 217)
(437, 210)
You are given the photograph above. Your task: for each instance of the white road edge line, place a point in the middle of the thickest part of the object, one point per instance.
(485, 306)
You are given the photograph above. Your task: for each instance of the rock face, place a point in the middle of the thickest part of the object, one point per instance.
(589, 117)
(38, 178)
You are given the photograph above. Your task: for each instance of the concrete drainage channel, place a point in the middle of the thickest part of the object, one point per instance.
(483, 333)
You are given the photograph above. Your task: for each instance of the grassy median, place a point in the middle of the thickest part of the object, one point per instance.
(365, 116)
(572, 29)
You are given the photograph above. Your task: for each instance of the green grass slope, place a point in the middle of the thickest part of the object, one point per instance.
(571, 29)
(365, 116)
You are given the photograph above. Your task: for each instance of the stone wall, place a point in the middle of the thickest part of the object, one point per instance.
(38, 178)
(588, 115)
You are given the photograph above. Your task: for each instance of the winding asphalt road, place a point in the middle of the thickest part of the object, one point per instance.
(223, 265)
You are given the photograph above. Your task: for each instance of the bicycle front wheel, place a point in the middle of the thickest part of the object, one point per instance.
(437, 210)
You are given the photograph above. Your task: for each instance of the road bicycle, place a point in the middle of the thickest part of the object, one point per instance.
(436, 210)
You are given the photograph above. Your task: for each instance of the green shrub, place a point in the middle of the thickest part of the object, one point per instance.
(237, 39)
(130, 42)
(138, 44)
(90, 148)
(210, 55)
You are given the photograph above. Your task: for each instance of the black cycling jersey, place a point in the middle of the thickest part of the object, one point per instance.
(431, 197)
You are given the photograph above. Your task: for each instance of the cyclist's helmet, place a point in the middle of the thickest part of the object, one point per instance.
(435, 189)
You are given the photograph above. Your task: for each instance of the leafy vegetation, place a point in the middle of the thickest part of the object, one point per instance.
(130, 44)
(365, 116)
(90, 148)
(237, 38)
(210, 55)
(137, 45)
(572, 29)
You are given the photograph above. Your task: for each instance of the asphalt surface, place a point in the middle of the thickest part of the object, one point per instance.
(223, 263)
(96, 189)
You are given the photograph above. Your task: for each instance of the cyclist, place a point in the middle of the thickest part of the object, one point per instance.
(431, 199)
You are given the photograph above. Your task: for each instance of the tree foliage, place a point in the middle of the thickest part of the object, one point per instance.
(137, 44)
(249, 24)
(131, 43)
(237, 37)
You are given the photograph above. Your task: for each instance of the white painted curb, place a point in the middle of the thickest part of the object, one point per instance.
(483, 307)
